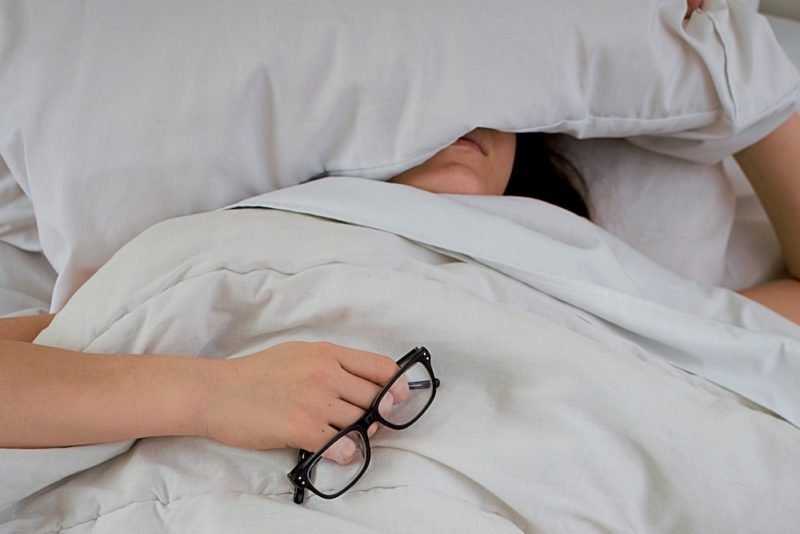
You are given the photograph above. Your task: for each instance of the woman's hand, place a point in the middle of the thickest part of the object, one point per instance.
(295, 394)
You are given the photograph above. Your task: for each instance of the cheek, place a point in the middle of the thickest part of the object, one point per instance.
(455, 178)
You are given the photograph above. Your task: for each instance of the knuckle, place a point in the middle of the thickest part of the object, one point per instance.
(387, 367)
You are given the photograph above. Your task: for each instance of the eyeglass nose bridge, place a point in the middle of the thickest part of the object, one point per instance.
(370, 418)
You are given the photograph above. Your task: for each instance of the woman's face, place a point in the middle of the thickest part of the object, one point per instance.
(478, 163)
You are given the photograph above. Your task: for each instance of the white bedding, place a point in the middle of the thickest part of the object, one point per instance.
(557, 410)
(26, 277)
(692, 246)
(26, 282)
(114, 100)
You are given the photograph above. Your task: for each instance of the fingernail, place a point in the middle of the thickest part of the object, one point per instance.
(387, 404)
(399, 390)
(341, 452)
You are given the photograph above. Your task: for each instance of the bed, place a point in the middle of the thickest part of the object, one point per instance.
(594, 378)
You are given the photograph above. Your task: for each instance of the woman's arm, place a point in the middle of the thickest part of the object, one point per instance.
(54, 397)
(23, 328)
(773, 168)
(295, 394)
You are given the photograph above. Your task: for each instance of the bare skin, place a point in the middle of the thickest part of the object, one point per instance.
(773, 168)
(23, 328)
(294, 394)
(479, 163)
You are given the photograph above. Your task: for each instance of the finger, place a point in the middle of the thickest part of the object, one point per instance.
(372, 429)
(342, 452)
(341, 413)
(400, 390)
(357, 391)
(315, 437)
(370, 366)
(386, 405)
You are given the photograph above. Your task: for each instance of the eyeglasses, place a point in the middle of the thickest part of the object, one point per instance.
(413, 388)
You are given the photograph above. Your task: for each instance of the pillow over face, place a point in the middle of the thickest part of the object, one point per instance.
(125, 114)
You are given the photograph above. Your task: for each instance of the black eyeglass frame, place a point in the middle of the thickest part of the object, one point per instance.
(299, 476)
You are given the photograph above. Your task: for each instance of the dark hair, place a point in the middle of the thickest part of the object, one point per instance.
(541, 173)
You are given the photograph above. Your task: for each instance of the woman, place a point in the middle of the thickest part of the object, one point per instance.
(483, 162)
(298, 394)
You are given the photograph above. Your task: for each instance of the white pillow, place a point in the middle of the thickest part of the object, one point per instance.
(676, 212)
(26, 281)
(128, 113)
(17, 220)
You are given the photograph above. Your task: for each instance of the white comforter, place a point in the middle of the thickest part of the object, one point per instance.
(564, 404)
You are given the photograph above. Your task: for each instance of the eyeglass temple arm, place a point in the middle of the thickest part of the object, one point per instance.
(423, 384)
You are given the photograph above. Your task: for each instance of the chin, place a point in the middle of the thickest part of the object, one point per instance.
(458, 178)
(454, 177)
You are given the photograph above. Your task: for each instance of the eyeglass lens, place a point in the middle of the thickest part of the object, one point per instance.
(344, 460)
(409, 395)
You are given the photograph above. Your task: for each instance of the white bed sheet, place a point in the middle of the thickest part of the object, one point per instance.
(557, 411)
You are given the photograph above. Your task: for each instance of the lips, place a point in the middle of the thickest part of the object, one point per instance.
(471, 141)
(468, 143)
